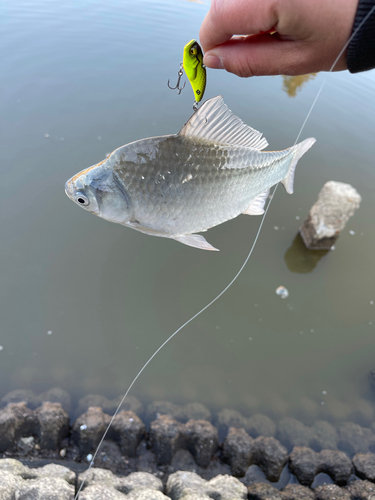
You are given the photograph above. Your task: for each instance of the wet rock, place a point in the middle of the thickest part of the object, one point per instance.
(165, 438)
(129, 430)
(53, 425)
(226, 488)
(364, 465)
(260, 425)
(8, 425)
(146, 494)
(56, 395)
(139, 480)
(303, 463)
(16, 420)
(25, 445)
(292, 432)
(355, 439)
(261, 491)
(336, 464)
(237, 450)
(109, 457)
(47, 487)
(323, 436)
(270, 455)
(88, 430)
(297, 492)
(146, 460)
(361, 490)
(215, 468)
(91, 400)
(183, 460)
(101, 491)
(184, 483)
(201, 440)
(331, 492)
(195, 411)
(159, 408)
(336, 203)
(229, 418)
(254, 474)
(19, 396)
(131, 403)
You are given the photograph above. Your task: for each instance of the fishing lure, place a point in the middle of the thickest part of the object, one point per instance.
(195, 71)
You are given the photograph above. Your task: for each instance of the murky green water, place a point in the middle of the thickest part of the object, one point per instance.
(92, 75)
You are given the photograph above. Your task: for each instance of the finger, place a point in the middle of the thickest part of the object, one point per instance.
(260, 55)
(236, 17)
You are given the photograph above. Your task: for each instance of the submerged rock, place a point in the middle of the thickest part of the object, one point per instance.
(336, 203)
(270, 455)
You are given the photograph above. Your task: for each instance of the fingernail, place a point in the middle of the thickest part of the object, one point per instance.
(213, 61)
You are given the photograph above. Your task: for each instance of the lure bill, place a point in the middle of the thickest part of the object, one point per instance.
(195, 69)
(176, 186)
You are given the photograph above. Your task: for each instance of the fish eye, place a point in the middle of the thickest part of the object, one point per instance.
(81, 199)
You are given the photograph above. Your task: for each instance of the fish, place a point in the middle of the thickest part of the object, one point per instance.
(194, 68)
(175, 186)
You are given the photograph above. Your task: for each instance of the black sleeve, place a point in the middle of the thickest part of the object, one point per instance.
(361, 50)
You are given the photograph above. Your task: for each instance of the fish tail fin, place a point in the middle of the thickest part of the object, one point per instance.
(299, 150)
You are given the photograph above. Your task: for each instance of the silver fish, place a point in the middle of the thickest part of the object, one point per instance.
(175, 186)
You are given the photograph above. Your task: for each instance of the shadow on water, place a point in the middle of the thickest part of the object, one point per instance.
(301, 260)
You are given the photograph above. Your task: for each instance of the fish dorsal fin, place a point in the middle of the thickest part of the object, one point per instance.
(214, 121)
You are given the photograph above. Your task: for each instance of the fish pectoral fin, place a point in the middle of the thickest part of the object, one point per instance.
(256, 207)
(195, 240)
(214, 121)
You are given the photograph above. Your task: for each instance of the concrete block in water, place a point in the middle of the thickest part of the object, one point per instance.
(336, 203)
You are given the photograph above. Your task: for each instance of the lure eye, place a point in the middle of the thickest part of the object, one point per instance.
(193, 51)
(81, 199)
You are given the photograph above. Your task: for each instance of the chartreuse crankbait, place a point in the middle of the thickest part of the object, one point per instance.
(195, 71)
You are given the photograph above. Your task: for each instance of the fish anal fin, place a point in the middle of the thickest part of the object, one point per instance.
(256, 207)
(214, 121)
(195, 240)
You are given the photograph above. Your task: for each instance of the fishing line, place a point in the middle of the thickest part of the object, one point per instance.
(238, 272)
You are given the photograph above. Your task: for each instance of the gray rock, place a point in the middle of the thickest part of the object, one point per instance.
(146, 460)
(14, 467)
(303, 463)
(16, 420)
(19, 396)
(8, 425)
(336, 464)
(9, 482)
(159, 408)
(202, 440)
(364, 465)
(46, 487)
(292, 432)
(195, 411)
(270, 455)
(254, 474)
(323, 436)
(91, 400)
(297, 492)
(183, 483)
(262, 491)
(361, 490)
(196, 496)
(331, 492)
(56, 395)
(131, 403)
(53, 425)
(183, 460)
(355, 439)
(237, 450)
(26, 445)
(165, 437)
(230, 418)
(101, 491)
(96, 475)
(224, 487)
(128, 429)
(55, 471)
(146, 494)
(137, 481)
(88, 430)
(109, 457)
(260, 425)
(336, 203)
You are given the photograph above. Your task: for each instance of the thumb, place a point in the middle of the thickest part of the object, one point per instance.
(264, 54)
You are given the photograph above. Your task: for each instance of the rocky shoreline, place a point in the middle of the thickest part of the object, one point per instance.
(176, 452)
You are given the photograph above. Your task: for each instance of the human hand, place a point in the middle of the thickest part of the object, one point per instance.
(309, 35)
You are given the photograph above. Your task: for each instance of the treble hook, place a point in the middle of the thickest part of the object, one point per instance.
(180, 73)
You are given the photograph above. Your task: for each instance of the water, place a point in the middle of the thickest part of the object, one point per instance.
(84, 303)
